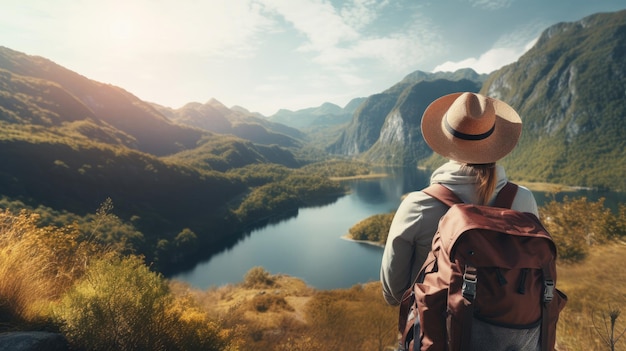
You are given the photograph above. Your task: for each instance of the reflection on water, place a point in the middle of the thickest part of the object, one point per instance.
(307, 243)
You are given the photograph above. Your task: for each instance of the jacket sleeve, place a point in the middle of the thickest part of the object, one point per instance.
(408, 244)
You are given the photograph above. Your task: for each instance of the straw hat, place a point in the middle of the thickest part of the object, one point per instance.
(471, 128)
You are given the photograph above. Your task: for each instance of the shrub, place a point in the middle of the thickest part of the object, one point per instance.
(268, 302)
(114, 307)
(194, 330)
(258, 278)
(577, 224)
(121, 305)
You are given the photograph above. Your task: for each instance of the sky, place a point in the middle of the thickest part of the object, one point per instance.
(266, 55)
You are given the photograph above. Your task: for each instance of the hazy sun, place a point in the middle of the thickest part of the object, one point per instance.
(121, 30)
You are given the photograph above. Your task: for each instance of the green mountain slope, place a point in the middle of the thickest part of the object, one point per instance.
(569, 90)
(386, 125)
(226, 153)
(68, 96)
(400, 142)
(68, 143)
(160, 198)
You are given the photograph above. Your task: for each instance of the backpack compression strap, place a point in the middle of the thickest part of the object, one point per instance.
(504, 199)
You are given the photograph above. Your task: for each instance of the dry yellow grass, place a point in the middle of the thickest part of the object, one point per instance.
(225, 300)
(288, 324)
(593, 287)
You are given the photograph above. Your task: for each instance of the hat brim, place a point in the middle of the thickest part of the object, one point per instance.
(508, 128)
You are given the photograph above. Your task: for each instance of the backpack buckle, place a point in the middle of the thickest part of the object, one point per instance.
(470, 278)
(548, 290)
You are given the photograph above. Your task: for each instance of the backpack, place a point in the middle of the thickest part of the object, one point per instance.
(491, 264)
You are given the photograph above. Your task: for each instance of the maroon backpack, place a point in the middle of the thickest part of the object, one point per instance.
(488, 263)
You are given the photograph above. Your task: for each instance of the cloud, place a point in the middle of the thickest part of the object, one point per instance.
(318, 20)
(219, 28)
(523, 34)
(360, 13)
(508, 48)
(491, 4)
(488, 62)
(338, 38)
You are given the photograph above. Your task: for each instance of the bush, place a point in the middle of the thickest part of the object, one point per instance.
(268, 302)
(121, 305)
(194, 330)
(117, 305)
(258, 278)
(577, 224)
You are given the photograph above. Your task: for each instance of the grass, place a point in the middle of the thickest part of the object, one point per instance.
(594, 287)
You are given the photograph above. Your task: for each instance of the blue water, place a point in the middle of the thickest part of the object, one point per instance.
(309, 246)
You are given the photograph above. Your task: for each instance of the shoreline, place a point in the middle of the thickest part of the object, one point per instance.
(551, 187)
(534, 186)
(366, 242)
(362, 176)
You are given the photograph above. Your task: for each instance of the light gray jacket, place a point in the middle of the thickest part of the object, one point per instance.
(415, 224)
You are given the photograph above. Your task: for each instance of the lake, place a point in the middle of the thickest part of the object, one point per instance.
(309, 245)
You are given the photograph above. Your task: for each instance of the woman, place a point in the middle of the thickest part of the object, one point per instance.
(472, 131)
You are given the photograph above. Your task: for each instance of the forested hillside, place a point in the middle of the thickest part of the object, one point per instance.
(180, 189)
(569, 90)
(34, 90)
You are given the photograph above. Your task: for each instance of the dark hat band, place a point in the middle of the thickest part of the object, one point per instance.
(464, 136)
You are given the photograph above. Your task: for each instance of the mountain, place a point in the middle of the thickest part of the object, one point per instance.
(327, 114)
(569, 90)
(67, 143)
(400, 141)
(215, 117)
(386, 126)
(38, 91)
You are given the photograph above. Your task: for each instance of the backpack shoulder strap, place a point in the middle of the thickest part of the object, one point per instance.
(504, 199)
(443, 194)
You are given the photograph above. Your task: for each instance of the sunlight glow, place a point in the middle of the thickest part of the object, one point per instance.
(121, 29)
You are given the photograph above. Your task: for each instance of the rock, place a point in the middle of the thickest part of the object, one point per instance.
(33, 341)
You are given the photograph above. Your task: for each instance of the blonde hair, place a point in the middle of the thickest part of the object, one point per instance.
(485, 178)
